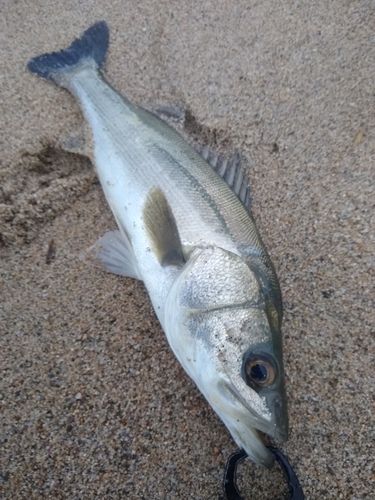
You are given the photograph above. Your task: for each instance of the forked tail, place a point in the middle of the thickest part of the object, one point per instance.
(89, 50)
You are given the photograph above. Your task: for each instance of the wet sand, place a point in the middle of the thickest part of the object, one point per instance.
(93, 403)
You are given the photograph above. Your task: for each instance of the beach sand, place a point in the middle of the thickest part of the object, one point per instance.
(93, 403)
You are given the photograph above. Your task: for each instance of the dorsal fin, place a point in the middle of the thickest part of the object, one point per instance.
(162, 229)
(231, 170)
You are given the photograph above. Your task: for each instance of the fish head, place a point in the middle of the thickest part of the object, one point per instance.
(223, 330)
(250, 389)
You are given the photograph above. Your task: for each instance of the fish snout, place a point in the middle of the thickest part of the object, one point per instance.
(282, 420)
(279, 426)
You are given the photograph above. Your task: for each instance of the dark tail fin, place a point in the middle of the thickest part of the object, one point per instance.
(90, 48)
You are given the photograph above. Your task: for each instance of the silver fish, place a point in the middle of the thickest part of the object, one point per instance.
(192, 241)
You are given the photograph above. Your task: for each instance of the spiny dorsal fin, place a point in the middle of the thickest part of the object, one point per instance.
(231, 170)
(161, 229)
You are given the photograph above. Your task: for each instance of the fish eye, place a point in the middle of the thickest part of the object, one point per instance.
(259, 370)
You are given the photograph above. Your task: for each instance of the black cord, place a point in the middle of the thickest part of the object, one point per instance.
(294, 486)
(229, 483)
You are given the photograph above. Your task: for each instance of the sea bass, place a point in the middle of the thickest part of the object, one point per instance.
(186, 234)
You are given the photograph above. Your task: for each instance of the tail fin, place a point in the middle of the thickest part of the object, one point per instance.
(90, 48)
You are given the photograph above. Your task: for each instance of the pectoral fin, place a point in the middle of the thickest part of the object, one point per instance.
(161, 229)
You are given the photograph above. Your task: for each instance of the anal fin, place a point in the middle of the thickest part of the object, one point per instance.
(80, 142)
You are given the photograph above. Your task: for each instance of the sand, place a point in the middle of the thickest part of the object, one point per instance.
(93, 402)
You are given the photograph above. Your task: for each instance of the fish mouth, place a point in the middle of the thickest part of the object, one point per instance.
(244, 423)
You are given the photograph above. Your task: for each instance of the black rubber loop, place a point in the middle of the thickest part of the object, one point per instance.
(294, 486)
(229, 483)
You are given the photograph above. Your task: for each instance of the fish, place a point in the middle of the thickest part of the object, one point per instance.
(186, 231)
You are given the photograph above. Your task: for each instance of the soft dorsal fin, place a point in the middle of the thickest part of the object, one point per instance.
(161, 229)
